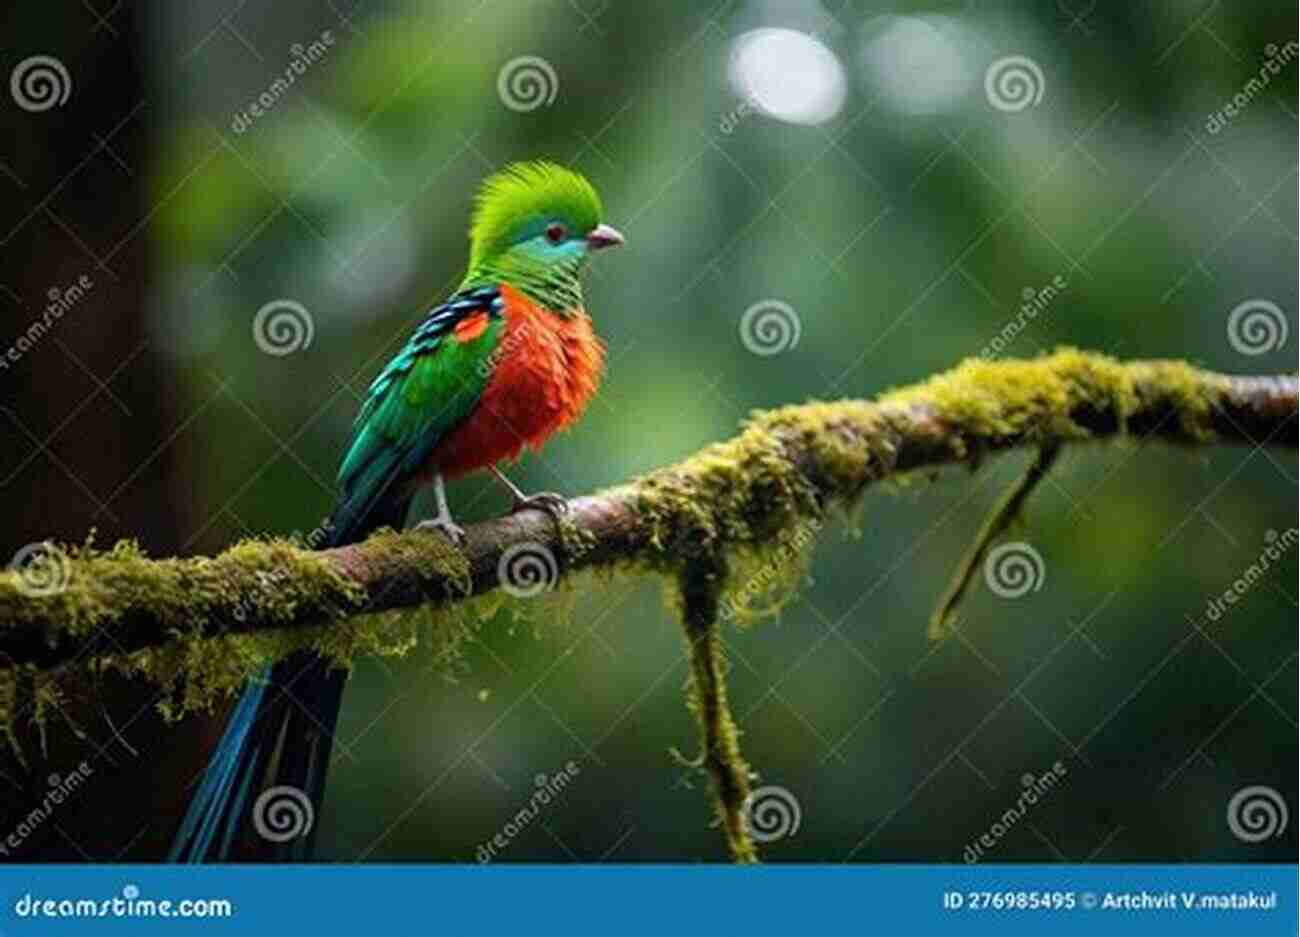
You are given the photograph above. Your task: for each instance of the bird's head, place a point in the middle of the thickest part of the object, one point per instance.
(534, 226)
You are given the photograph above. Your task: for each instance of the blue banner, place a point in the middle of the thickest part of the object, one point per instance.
(805, 901)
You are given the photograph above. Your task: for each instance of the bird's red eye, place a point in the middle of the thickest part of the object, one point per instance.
(555, 232)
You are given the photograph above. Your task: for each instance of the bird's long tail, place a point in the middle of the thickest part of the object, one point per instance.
(277, 741)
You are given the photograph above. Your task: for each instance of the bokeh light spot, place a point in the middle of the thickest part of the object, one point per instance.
(788, 75)
(915, 64)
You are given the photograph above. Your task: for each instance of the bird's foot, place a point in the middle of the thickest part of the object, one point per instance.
(446, 526)
(552, 503)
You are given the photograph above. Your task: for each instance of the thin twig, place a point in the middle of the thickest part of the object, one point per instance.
(1004, 514)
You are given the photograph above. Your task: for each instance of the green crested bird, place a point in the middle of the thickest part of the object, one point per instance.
(510, 358)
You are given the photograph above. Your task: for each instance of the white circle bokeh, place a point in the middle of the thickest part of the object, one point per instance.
(788, 75)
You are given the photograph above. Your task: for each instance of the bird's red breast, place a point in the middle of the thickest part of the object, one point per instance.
(547, 368)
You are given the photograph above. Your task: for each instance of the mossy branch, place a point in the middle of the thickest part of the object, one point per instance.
(783, 469)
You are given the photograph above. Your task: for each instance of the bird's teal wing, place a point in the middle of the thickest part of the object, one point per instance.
(428, 388)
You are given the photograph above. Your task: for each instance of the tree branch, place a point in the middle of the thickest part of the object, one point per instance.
(784, 468)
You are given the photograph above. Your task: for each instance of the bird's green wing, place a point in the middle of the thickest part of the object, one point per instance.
(425, 391)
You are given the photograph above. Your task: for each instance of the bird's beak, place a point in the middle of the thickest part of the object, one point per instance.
(603, 236)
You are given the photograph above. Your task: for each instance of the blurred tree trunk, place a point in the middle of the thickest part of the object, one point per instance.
(88, 407)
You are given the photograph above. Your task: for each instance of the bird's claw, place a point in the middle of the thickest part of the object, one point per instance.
(446, 526)
(552, 503)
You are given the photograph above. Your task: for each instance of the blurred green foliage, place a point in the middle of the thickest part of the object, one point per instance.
(904, 242)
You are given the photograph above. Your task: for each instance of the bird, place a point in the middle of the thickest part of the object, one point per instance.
(509, 359)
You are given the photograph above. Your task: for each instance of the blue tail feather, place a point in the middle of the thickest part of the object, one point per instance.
(280, 733)
(199, 826)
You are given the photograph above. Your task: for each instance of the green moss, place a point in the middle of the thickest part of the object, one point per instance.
(720, 753)
(104, 587)
(192, 597)
(10, 703)
(1188, 392)
(1033, 399)
(1038, 399)
(762, 579)
(739, 492)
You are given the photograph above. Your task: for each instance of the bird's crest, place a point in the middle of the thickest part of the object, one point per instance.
(522, 192)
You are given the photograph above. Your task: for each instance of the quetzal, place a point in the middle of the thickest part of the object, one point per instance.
(510, 358)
